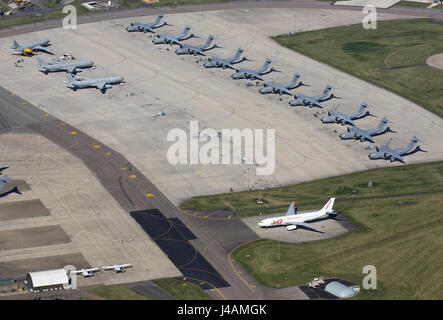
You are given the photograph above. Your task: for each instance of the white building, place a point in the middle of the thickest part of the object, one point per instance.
(49, 279)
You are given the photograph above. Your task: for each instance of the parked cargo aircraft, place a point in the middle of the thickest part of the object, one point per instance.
(244, 73)
(356, 133)
(270, 87)
(146, 27)
(344, 118)
(99, 83)
(215, 62)
(168, 39)
(118, 268)
(195, 50)
(301, 99)
(86, 273)
(31, 47)
(71, 66)
(383, 152)
(292, 220)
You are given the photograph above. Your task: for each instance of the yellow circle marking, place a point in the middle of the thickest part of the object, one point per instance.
(149, 195)
(73, 132)
(132, 176)
(97, 146)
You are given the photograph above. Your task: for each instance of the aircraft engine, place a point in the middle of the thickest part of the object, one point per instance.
(108, 86)
(291, 227)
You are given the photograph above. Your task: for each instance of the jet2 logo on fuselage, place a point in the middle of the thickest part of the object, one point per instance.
(279, 221)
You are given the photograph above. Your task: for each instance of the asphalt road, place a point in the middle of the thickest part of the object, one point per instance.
(236, 4)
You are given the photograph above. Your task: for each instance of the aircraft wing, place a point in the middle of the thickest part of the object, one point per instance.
(76, 272)
(109, 268)
(101, 85)
(364, 134)
(313, 102)
(304, 224)
(127, 265)
(256, 76)
(394, 155)
(93, 270)
(71, 69)
(42, 49)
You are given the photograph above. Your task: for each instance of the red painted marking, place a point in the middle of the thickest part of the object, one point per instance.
(279, 221)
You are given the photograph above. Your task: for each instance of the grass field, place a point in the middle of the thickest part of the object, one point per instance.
(181, 290)
(390, 180)
(413, 4)
(393, 56)
(116, 292)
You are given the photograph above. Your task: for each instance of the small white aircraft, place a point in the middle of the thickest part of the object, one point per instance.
(86, 272)
(292, 220)
(118, 268)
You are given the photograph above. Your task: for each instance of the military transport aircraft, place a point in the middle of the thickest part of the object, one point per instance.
(168, 39)
(30, 48)
(344, 118)
(356, 133)
(146, 27)
(86, 273)
(3, 180)
(301, 99)
(99, 83)
(118, 268)
(244, 73)
(70, 66)
(292, 220)
(196, 50)
(383, 152)
(215, 62)
(270, 87)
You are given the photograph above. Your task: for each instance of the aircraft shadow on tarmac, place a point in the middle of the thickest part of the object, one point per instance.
(13, 190)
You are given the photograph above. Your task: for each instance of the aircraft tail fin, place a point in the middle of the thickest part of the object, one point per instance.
(362, 107)
(291, 209)
(328, 208)
(40, 61)
(327, 90)
(208, 42)
(295, 78)
(413, 142)
(184, 32)
(15, 45)
(237, 54)
(265, 66)
(157, 20)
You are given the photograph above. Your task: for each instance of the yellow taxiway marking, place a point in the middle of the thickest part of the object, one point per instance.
(73, 132)
(229, 217)
(124, 168)
(107, 153)
(206, 217)
(45, 115)
(12, 94)
(239, 272)
(132, 176)
(63, 124)
(149, 195)
(251, 286)
(24, 102)
(97, 146)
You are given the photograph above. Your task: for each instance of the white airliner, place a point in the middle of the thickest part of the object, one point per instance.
(118, 268)
(292, 220)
